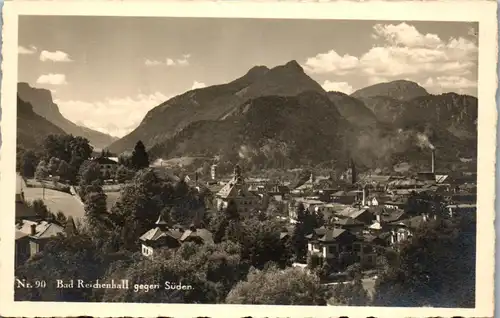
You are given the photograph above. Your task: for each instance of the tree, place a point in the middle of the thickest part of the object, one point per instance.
(54, 165)
(89, 173)
(66, 147)
(273, 286)
(226, 224)
(42, 171)
(435, 268)
(95, 204)
(211, 270)
(141, 202)
(350, 294)
(125, 160)
(63, 257)
(105, 153)
(28, 164)
(41, 210)
(206, 170)
(61, 218)
(261, 243)
(124, 174)
(140, 159)
(64, 170)
(299, 241)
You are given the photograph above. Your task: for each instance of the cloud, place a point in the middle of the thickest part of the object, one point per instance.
(343, 87)
(52, 79)
(447, 83)
(152, 62)
(183, 61)
(26, 51)
(331, 62)
(115, 116)
(57, 56)
(406, 35)
(402, 52)
(197, 84)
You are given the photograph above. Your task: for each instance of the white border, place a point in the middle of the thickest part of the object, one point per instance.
(483, 12)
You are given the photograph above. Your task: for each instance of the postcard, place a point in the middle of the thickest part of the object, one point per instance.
(298, 159)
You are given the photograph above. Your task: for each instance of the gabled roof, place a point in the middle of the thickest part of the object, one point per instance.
(347, 221)
(48, 230)
(43, 229)
(203, 234)
(283, 235)
(412, 223)
(375, 226)
(157, 233)
(352, 212)
(20, 234)
(440, 178)
(235, 188)
(326, 234)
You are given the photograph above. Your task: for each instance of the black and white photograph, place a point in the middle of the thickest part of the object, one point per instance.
(249, 160)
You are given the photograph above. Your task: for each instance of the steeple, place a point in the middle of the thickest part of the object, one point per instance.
(237, 174)
(161, 222)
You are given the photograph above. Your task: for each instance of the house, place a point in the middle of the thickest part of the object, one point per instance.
(405, 229)
(362, 215)
(339, 247)
(107, 165)
(345, 197)
(279, 192)
(32, 236)
(236, 190)
(160, 236)
(197, 235)
(23, 210)
(348, 224)
(387, 215)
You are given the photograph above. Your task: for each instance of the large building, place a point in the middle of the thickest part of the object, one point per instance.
(107, 166)
(236, 190)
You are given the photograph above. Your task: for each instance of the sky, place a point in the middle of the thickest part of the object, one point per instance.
(107, 72)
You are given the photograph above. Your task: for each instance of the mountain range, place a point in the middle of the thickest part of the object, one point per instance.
(31, 127)
(43, 105)
(280, 117)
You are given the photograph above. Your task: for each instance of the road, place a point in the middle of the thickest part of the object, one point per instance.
(56, 201)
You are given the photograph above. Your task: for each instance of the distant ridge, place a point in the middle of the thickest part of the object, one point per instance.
(43, 104)
(215, 102)
(32, 128)
(399, 90)
(280, 118)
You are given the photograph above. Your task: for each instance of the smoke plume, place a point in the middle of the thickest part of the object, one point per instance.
(424, 142)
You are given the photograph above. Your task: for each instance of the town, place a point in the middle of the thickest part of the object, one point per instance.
(131, 217)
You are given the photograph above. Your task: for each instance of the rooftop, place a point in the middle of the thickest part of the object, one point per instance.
(203, 234)
(43, 229)
(352, 212)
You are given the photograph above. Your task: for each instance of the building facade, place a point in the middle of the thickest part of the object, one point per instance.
(236, 190)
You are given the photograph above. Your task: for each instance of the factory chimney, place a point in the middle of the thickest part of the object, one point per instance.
(363, 202)
(433, 162)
